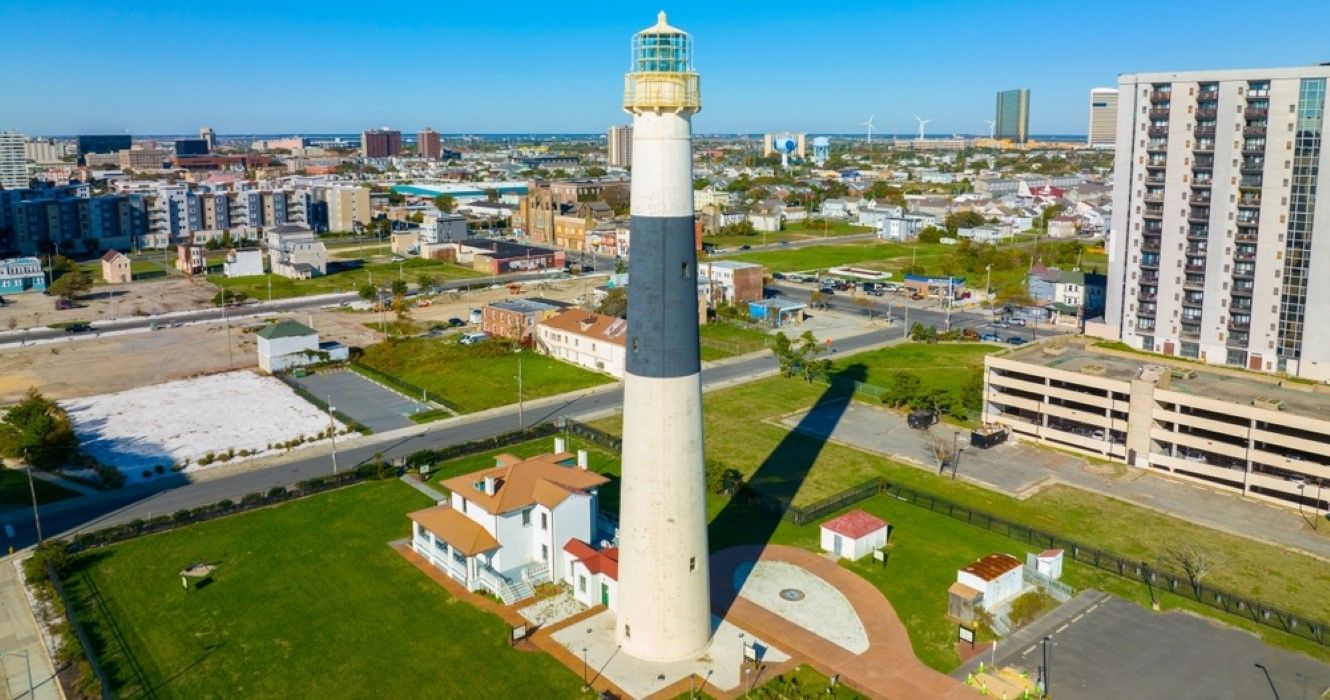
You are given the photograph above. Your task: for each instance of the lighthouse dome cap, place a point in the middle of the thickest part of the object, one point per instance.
(661, 26)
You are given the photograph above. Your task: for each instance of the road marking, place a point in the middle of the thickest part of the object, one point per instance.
(1027, 651)
(1092, 607)
(1063, 627)
(1074, 619)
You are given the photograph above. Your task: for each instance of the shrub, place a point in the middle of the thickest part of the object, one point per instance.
(181, 516)
(225, 504)
(277, 492)
(251, 499)
(1029, 606)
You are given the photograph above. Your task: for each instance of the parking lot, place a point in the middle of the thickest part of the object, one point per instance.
(1106, 648)
(372, 405)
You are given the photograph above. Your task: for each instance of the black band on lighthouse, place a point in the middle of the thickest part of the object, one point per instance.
(662, 298)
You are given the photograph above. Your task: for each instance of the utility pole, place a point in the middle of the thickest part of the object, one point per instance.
(32, 489)
(988, 289)
(521, 418)
(1047, 641)
(905, 328)
(269, 287)
(332, 429)
(230, 363)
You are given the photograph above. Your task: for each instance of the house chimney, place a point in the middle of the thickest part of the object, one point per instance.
(560, 445)
(581, 459)
(489, 486)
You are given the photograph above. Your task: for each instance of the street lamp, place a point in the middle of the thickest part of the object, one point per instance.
(332, 429)
(32, 489)
(1047, 641)
(585, 685)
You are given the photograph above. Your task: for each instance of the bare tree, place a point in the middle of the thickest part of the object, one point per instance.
(942, 450)
(1191, 559)
(865, 305)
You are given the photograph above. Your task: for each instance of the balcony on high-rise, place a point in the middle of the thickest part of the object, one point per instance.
(1199, 214)
(1158, 112)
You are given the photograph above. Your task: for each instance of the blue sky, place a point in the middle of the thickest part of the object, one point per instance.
(484, 67)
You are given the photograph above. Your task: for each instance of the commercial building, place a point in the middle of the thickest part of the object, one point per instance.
(144, 158)
(106, 143)
(620, 143)
(209, 137)
(428, 144)
(45, 151)
(1103, 131)
(496, 257)
(732, 282)
(1012, 116)
(590, 340)
(574, 191)
(516, 319)
(13, 161)
(1220, 247)
(1241, 431)
(19, 275)
(440, 227)
(287, 344)
(381, 143)
(192, 147)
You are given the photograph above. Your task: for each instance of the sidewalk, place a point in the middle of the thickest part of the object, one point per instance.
(18, 636)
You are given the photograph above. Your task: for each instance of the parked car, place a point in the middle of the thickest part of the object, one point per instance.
(78, 328)
(1001, 324)
(990, 338)
(456, 322)
(745, 247)
(1018, 322)
(1016, 340)
(778, 275)
(921, 419)
(828, 290)
(473, 338)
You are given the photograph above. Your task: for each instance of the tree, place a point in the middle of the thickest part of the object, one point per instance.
(722, 478)
(931, 234)
(446, 203)
(1191, 559)
(615, 303)
(71, 284)
(963, 219)
(38, 431)
(700, 183)
(426, 280)
(60, 265)
(942, 451)
(595, 171)
(902, 390)
(1027, 607)
(801, 360)
(399, 288)
(972, 393)
(368, 292)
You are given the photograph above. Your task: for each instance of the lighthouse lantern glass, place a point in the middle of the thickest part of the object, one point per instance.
(662, 53)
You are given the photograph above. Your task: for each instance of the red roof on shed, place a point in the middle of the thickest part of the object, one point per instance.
(855, 524)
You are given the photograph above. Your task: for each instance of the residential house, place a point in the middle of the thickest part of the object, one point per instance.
(839, 209)
(243, 263)
(1063, 226)
(591, 340)
(516, 319)
(294, 251)
(765, 219)
(873, 215)
(506, 528)
(191, 259)
(1067, 297)
(439, 227)
(709, 196)
(21, 275)
(288, 344)
(116, 268)
(985, 234)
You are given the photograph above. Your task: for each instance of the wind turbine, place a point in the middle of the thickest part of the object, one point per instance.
(991, 124)
(922, 122)
(869, 124)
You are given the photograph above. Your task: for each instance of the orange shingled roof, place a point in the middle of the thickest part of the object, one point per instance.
(992, 566)
(541, 479)
(463, 533)
(610, 329)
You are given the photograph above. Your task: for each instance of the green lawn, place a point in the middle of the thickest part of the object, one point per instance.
(942, 366)
(256, 287)
(817, 257)
(798, 231)
(742, 432)
(475, 377)
(307, 601)
(723, 339)
(14, 489)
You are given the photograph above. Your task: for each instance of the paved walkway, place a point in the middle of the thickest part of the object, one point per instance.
(19, 635)
(422, 487)
(888, 670)
(1022, 469)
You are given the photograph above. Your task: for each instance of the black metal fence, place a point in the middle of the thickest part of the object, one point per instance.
(1157, 578)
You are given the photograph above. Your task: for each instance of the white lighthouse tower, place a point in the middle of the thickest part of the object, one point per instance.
(664, 597)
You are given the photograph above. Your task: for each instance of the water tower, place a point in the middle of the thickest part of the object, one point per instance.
(783, 143)
(821, 150)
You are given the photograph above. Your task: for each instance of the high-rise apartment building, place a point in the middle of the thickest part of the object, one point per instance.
(1013, 115)
(13, 161)
(619, 139)
(1103, 131)
(1221, 249)
(208, 135)
(428, 144)
(381, 143)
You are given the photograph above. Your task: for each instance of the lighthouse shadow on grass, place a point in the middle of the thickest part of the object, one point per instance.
(753, 515)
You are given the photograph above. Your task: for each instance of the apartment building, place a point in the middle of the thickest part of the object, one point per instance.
(1237, 430)
(347, 206)
(1103, 131)
(13, 161)
(67, 220)
(145, 158)
(1220, 247)
(381, 143)
(1013, 115)
(428, 144)
(620, 143)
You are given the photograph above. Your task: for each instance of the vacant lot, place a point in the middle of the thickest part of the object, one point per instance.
(343, 277)
(943, 366)
(722, 339)
(107, 301)
(476, 377)
(307, 601)
(878, 256)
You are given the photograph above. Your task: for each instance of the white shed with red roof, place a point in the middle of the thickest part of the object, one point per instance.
(854, 535)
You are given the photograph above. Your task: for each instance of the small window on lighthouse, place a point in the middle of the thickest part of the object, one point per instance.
(692, 564)
(627, 632)
(685, 270)
(634, 344)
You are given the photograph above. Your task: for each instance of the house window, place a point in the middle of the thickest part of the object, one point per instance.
(464, 505)
(627, 632)
(581, 584)
(544, 521)
(526, 518)
(544, 552)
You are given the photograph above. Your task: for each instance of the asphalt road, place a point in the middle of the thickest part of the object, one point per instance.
(170, 494)
(234, 312)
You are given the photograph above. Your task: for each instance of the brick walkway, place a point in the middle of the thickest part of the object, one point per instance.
(889, 669)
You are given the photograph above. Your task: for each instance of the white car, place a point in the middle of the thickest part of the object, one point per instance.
(473, 338)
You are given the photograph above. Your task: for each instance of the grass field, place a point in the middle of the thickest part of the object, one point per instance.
(880, 256)
(798, 231)
(475, 377)
(307, 601)
(722, 339)
(343, 281)
(14, 489)
(942, 366)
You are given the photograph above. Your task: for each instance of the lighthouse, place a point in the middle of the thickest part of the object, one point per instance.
(664, 600)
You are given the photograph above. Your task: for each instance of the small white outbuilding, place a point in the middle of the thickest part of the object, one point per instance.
(854, 535)
(288, 344)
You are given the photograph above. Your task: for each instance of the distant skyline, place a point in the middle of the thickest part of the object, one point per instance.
(341, 67)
